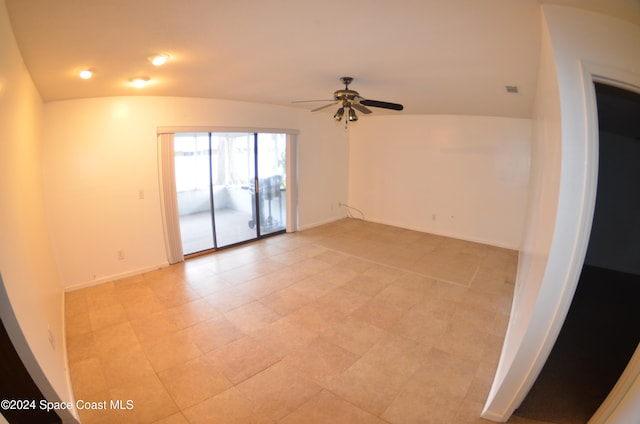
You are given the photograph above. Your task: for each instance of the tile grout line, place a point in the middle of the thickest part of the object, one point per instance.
(455, 283)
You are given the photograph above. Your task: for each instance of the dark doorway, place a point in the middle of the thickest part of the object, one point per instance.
(18, 388)
(602, 328)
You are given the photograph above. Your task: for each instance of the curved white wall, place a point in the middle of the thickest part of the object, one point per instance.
(577, 46)
(100, 153)
(31, 301)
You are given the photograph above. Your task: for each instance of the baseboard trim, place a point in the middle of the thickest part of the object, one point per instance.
(319, 223)
(114, 277)
(457, 236)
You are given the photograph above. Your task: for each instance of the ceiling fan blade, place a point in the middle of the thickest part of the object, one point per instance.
(361, 108)
(324, 107)
(384, 105)
(310, 101)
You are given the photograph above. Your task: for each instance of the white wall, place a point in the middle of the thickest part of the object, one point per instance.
(34, 296)
(459, 176)
(575, 45)
(100, 153)
(322, 169)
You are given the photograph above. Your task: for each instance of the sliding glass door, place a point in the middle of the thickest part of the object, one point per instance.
(193, 186)
(230, 188)
(272, 182)
(233, 179)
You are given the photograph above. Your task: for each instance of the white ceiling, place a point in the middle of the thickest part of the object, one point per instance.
(433, 56)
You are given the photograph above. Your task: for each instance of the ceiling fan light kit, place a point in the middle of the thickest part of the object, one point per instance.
(350, 100)
(352, 115)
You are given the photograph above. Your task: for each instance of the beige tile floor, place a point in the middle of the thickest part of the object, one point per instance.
(350, 322)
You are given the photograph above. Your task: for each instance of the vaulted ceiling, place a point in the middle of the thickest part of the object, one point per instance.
(433, 56)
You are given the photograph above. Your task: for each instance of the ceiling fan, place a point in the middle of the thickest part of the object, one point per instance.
(350, 101)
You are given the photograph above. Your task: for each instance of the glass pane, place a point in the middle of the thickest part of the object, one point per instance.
(272, 182)
(233, 170)
(192, 184)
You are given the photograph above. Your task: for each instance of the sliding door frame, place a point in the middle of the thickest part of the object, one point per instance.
(166, 165)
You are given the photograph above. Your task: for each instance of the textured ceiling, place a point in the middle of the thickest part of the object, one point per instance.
(434, 56)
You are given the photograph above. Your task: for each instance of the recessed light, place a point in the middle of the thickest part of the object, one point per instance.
(86, 73)
(160, 59)
(139, 82)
